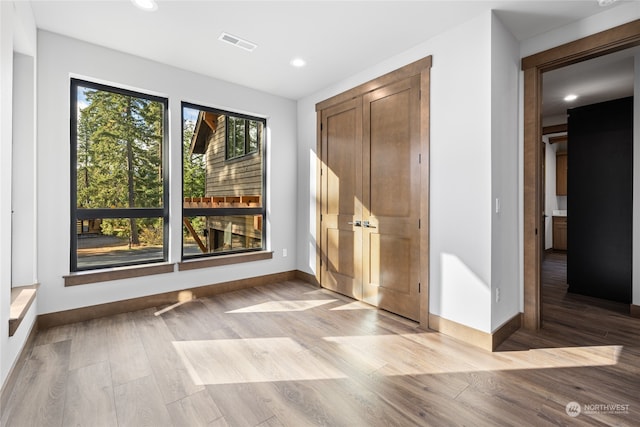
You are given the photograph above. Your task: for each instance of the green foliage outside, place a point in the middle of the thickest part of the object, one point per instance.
(119, 160)
(193, 175)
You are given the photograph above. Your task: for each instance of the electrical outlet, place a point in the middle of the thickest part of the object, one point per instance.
(497, 294)
(284, 253)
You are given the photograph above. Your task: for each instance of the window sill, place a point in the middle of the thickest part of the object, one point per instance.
(21, 299)
(95, 276)
(217, 261)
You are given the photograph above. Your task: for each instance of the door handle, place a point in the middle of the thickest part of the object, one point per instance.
(356, 223)
(368, 225)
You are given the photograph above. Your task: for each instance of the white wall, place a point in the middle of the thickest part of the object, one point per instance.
(551, 201)
(17, 34)
(6, 87)
(460, 181)
(461, 194)
(23, 244)
(610, 17)
(505, 71)
(58, 59)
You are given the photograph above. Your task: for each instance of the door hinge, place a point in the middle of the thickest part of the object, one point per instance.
(320, 217)
(419, 223)
(420, 158)
(419, 287)
(536, 231)
(320, 171)
(321, 126)
(320, 262)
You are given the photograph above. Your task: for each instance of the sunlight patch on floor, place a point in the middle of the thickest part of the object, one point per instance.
(418, 354)
(356, 305)
(250, 360)
(234, 361)
(283, 306)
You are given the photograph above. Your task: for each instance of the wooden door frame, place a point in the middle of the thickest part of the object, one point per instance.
(421, 67)
(599, 44)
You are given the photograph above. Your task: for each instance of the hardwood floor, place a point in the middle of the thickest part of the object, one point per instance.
(293, 355)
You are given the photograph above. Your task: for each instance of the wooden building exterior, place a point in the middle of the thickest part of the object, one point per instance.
(234, 179)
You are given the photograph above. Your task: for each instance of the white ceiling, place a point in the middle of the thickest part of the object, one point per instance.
(336, 38)
(596, 80)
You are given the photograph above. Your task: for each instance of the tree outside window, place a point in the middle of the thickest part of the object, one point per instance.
(119, 213)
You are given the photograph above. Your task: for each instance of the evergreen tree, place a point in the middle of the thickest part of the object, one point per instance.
(84, 162)
(119, 156)
(194, 173)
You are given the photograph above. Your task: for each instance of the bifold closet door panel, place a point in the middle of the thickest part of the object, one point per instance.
(341, 195)
(391, 197)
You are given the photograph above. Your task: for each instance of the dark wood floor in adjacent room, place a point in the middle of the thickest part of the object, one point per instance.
(292, 355)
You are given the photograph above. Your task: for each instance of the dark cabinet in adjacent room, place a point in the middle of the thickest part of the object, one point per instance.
(559, 224)
(600, 199)
(561, 174)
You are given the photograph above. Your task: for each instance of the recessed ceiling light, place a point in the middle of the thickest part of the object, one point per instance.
(148, 5)
(298, 62)
(570, 97)
(604, 3)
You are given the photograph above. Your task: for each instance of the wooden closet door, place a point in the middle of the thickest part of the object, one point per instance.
(341, 195)
(391, 197)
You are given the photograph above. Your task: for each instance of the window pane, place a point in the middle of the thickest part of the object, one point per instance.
(118, 150)
(209, 180)
(231, 138)
(236, 137)
(254, 133)
(117, 147)
(194, 160)
(108, 242)
(224, 184)
(239, 137)
(210, 234)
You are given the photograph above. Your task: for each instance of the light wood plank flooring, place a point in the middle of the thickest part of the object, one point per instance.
(292, 355)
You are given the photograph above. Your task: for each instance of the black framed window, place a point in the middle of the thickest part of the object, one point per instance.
(243, 136)
(223, 202)
(119, 180)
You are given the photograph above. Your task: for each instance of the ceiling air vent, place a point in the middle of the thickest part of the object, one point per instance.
(237, 41)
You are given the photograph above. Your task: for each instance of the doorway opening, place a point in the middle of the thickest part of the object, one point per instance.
(588, 106)
(534, 66)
